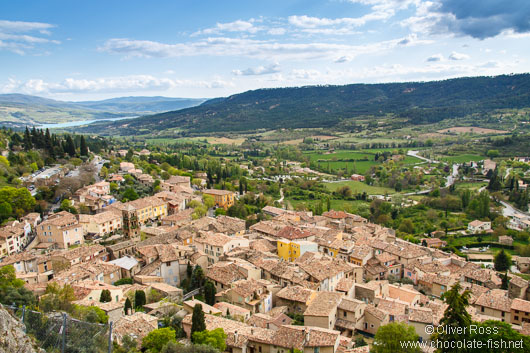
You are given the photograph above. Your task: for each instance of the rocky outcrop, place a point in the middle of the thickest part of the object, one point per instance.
(12, 336)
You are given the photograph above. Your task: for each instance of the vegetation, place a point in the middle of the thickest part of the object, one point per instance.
(157, 339)
(215, 338)
(391, 337)
(197, 321)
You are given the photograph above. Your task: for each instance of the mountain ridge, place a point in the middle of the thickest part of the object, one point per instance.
(329, 105)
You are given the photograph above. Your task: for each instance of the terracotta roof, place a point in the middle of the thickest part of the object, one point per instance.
(217, 192)
(423, 315)
(495, 299)
(345, 284)
(295, 293)
(350, 304)
(521, 305)
(293, 233)
(225, 273)
(323, 304)
(375, 312)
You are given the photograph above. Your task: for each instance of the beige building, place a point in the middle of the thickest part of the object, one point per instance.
(215, 245)
(495, 305)
(100, 224)
(322, 312)
(62, 229)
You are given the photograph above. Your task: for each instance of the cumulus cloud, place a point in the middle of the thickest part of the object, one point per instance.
(435, 57)
(261, 49)
(458, 56)
(260, 70)
(108, 84)
(475, 18)
(20, 37)
(235, 26)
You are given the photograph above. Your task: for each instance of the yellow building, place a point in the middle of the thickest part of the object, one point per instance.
(290, 250)
(223, 198)
(149, 208)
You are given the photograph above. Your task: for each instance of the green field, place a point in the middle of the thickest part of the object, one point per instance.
(360, 187)
(463, 158)
(360, 161)
(471, 185)
(357, 206)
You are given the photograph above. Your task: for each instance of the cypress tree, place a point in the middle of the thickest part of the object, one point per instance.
(502, 261)
(105, 296)
(209, 293)
(83, 147)
(139, 299)
(128, 306)
(28, 145)
(197, 320)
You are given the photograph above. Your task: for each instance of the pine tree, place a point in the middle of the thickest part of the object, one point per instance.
(83, 149)
(128, 306)
(105, 296)
(70, 146)
(455, 315)
(28, 145)
(502, 261)
(197, 320)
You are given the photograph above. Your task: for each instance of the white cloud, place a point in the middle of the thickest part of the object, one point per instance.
(15, 35)
(261, 49)
(108, 84)
(435, 57)
(458, 56)
(260, 70)
(277, 31)
(235, 26)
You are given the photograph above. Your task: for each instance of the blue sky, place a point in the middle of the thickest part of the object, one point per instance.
(75, 50)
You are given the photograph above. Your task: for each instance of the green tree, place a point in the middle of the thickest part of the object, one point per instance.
(505, 281)
(208, 200)
(214, 338)
(139, 299)
(175, 347)
(209, 293)
(455, 315)
(129, 195)
(105, 296)
(197, 320)
(57, 298)
(197, 277)
(83, 149)
(407, 226)
(389, 338)
(128, 306)
(502, 261)
(499, 335)
(12, 289)
(157, 339)
(128, 345)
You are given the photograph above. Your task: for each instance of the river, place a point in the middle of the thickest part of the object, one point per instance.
(81, 122)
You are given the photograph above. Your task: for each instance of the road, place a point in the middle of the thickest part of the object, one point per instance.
(510, 211)
(416, 154)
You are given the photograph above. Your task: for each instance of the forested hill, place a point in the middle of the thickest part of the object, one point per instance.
(326, 106)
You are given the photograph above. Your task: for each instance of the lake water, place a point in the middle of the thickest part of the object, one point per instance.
(80, 122)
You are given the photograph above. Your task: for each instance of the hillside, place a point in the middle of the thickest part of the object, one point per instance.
(327, 106)
(26, 109)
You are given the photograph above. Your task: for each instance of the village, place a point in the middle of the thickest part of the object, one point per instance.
(294, 279)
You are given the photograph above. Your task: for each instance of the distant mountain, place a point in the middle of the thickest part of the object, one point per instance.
(20, 109)
(142, 105)
(327, 106)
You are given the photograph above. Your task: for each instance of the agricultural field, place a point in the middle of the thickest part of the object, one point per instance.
(471, 129)
(360, 187)
(357, 206)
(471, 185)
(463, 158)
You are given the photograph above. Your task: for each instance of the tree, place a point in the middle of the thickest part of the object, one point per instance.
(214, 338)
(128, 306)
(455, 315)
(502, 261)
(497, 337)
(390, 338)
(128, 345)
(175, 347)
(129, 195)
(407, 226)
(12, 289)
(157, 339)
(139, 299)
(209, 293)
(505, 281)
(208, 200)
(57, 298)
(105, 296)
(197, 320)
(197, 277)
(83, 149)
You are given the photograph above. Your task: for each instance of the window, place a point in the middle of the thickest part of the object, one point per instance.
(316, 350)
(516, 317)
(482, 309)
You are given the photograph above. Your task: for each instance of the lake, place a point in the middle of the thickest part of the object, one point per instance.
(80, 122)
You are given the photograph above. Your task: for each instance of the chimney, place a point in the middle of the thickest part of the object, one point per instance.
(252, 331)
(235, 336)
(129, 311)
(307, 335)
